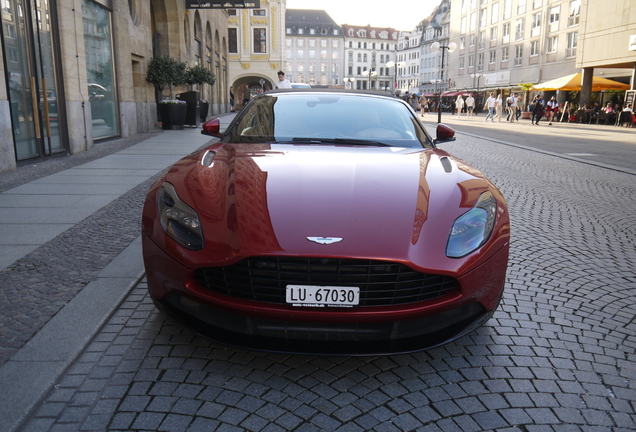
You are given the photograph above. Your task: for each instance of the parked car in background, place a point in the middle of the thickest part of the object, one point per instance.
(326, 222)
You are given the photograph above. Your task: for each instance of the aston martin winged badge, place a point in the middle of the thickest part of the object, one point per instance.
(325, 240)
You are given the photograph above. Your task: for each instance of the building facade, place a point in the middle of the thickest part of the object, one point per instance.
(65, 88)
(505, 43)
(256, 39)
(607, 42)
(313, 48)
(436, 28)
(367, 50)
(502, 44)
(408, 55)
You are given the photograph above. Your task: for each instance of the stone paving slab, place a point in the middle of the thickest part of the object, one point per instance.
(559, 354)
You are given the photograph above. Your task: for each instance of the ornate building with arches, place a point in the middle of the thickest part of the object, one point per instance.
(256, 38)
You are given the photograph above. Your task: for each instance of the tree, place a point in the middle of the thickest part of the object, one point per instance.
(199, 75)
(164, 70)
(526, 90)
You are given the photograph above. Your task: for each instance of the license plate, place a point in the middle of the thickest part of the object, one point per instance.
(321, 296)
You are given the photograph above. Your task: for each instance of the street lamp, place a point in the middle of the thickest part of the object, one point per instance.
(478, 76)
(369, 74)
(435, 47)
(395, 65)
(349, 82)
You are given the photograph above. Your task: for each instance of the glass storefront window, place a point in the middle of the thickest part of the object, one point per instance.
(98, 45)
(31, 71)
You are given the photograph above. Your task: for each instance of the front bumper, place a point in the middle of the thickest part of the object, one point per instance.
(363, 331)
(323, 338)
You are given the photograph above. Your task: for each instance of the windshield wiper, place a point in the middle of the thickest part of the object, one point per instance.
(340, 141)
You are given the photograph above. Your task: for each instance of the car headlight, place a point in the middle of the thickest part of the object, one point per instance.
(178, 219)
(472, 229)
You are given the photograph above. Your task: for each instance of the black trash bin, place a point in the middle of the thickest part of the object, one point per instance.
(191, 99)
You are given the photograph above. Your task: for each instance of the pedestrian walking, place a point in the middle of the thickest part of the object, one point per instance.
(512, 107)
(231, 99)
(552, 107)
(490, 104)
(413, 101)
(459, 105)
(498, 107)
(423, 105)
(537, 110)
(470, 106)
(247, 94)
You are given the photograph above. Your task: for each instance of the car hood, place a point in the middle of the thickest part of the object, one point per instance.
(383, 202)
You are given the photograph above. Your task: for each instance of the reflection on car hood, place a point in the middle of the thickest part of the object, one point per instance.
(267, 199)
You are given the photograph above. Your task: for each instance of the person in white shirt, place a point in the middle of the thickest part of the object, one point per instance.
(490, 104)
(470, 105)
(551, 108)
(459, 105)
(512, 107)
(282, 82)
(498, 107)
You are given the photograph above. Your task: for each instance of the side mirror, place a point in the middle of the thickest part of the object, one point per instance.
(212, 127)
(444, 133)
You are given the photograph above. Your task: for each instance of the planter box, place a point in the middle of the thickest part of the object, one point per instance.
(191, 99)
(172, 115)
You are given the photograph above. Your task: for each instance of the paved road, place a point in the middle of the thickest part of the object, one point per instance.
(559, 355)
(596, 144)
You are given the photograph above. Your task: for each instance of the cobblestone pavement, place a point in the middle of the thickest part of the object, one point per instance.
(559, 354)
(52, 278)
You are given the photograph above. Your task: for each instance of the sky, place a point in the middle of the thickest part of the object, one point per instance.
(399, 14)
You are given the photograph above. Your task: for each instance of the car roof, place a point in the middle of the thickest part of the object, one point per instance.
(334, 91)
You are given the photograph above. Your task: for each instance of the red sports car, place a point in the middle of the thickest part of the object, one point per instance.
(326, 222)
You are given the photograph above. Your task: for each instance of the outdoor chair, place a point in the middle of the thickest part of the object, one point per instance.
(624, 118)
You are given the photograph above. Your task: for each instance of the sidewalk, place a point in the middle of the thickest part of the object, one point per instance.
(70, 251)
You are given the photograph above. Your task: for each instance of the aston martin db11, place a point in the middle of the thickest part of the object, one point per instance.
(326, 222)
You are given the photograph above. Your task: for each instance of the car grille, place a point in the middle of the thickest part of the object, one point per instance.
(381, 283)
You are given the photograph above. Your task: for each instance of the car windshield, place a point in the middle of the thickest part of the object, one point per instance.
(328, 118)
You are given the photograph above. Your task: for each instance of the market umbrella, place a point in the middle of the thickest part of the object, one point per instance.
(455, 93)
(573, 83)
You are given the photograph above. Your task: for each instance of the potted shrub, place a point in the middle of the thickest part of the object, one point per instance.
(164, 70)
(525, 114)
(201, 75)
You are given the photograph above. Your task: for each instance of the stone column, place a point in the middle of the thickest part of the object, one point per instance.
(80, 126)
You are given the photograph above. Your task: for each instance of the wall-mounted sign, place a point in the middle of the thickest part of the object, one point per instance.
(632, 43)
(232, 4)
(497, 79)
